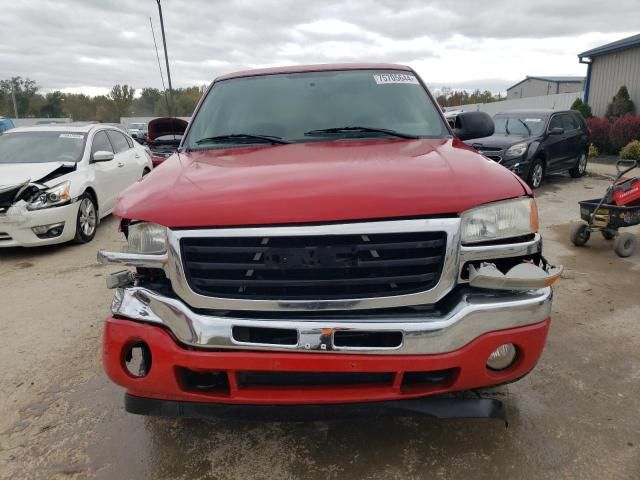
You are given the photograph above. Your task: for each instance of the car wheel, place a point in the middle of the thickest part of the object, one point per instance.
(536, 174)
(625, 244)
(87, 219)
(581, 166)
(580, 235)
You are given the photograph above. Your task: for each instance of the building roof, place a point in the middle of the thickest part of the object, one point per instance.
(314, 68)
(629, 42)
(550, 79)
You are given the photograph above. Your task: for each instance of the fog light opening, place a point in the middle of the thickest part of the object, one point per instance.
(502, 357)
(137, 359)
(49, 231)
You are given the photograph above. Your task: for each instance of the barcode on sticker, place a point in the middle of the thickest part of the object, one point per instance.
(383, 78)
(77, 136)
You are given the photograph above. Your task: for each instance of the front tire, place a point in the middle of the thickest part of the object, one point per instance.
(581, 166)
(86, 220)
(536, 174)
(580, 235)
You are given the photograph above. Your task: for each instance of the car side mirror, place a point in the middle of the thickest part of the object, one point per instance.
(470, 125)
(102, 156)
(556, 131)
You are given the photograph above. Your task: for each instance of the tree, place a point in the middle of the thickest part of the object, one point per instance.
(145, 104)
(621, 104)
(53, 105)
(24, 90)
(122, 98)
(582, 107)
(79, 107)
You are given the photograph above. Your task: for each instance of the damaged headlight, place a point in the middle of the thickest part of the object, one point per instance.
(52, 197)
(147, 238)
(509, 218)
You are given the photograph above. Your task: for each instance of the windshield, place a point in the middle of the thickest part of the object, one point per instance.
(137, 126)
(41, 147)
(289, 106)
(519, 124)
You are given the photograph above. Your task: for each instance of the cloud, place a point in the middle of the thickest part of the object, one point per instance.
(90, 45)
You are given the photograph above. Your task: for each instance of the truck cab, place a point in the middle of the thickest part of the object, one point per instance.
(323, 236)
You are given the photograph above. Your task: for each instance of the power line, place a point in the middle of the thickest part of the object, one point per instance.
(164, 88)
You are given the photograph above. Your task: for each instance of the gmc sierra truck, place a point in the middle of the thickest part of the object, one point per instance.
(323, 236)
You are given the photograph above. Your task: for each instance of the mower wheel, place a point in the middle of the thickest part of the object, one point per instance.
(580, 234)
(625, 244)
(608, 234)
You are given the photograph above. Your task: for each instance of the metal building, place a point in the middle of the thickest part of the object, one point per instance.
(609, 67)
(540, 86)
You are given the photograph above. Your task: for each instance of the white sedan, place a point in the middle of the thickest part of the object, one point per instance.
(58, 181)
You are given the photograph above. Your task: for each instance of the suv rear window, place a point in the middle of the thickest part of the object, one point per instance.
(288, 105)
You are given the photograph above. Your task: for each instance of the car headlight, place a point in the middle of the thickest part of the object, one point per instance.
(147, 238)
(516, 150)
(509, 218)
(52, 197)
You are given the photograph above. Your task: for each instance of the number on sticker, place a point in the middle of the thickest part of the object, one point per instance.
(384, 78)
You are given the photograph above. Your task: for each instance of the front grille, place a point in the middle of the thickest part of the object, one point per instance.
(314, 267)
(495, 158)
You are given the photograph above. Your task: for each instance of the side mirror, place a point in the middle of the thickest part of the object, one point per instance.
(556, 131)
(102, 156)
(470, 125)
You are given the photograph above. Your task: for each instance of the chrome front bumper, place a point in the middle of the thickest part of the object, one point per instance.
(472, 314)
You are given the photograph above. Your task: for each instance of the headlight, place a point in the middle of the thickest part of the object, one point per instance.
(516, 150)
(52, 197)
(147, 238)
(510, 218)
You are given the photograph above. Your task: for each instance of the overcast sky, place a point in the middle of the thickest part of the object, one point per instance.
(90, 45)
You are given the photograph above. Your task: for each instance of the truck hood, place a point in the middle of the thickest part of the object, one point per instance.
(18, 173)
(317, 182)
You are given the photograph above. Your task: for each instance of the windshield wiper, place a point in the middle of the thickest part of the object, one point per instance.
(506, 127)
(385, 131)
(525, 126)
(247, 136)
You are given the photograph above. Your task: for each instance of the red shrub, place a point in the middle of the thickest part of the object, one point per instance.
(624, 130)
(600, 130)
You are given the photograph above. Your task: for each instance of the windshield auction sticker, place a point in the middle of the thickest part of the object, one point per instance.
(72, 135)
(385, 78)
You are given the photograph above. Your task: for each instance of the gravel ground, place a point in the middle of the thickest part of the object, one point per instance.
(576, 416)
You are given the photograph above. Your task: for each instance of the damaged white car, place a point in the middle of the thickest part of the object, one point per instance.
(58, 181)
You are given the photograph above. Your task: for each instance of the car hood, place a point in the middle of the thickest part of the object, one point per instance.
(317, 182)
(18, 173)
(162, 126)
(499, 140)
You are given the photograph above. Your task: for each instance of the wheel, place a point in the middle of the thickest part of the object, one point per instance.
(608, 234)
(581, 166)
(625, 244)
(580, 235)
(536, 174)
(87, 219)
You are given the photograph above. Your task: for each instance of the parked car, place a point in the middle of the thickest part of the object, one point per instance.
(324, 238)
(138, 131)
(533, 143)
(164, 136)
(58, 181)
(5, 124)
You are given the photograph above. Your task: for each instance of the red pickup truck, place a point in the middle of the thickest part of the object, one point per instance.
(323, 236)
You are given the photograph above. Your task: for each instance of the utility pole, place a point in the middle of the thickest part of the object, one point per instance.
(13, 97)
(166, 55)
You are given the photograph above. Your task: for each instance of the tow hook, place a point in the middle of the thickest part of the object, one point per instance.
(120, 279)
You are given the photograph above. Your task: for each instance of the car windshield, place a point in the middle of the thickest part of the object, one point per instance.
(519, 124)
(137, 126)
(294, 107)
(41, 147)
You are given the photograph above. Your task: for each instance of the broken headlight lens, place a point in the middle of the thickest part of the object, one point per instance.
(147, 238)
(494, 221)
(52, 197)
